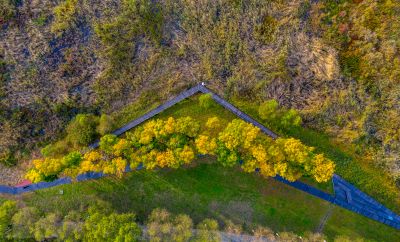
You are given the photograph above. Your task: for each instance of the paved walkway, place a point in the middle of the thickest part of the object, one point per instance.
(346, 195)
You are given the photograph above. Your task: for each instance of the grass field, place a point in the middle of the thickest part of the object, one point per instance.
(210, 190)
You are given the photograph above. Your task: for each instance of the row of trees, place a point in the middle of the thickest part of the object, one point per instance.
(100, 223)
(176, 142)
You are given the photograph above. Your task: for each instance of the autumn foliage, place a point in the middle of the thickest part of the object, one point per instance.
(172, 143)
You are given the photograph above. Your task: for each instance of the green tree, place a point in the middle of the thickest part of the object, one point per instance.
(206, 101)
(269, 110)
(182, 228)
(72, 159)
(23, 222)
(290, 119)
(71, 228)
(112, 227)
(279, 116)
(46, 227)
(7, 211)
(207, 231)
(107, 142)
(162, 226)
(225, 156)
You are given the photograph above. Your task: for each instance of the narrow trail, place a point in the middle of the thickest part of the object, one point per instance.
(324, 219)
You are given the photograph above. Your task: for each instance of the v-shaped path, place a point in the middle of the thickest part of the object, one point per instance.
(346, 195)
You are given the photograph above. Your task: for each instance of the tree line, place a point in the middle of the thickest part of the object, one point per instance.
(173, 143)
(100, 222)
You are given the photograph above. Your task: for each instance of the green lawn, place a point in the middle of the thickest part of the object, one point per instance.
(210, 190)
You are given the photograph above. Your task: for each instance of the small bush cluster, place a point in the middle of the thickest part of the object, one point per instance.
(80, 131)
(279, 117)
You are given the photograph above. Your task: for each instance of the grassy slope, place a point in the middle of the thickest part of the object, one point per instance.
(209, 190)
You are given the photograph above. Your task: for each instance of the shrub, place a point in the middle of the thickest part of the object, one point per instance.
(162, 226)
(279, 117)
(105, 124)
(269, 110)
(64, 16)
(82, 129)
(265, 31)
(206, 100)
(207, 230)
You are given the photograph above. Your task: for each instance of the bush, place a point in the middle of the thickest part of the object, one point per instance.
(64, 16)
(265, 31)
(57, 149)
(269, 110)
(82, 130)
(206, 101)
(105, 124)
(162, 226)
(207, 230)
(279, 117)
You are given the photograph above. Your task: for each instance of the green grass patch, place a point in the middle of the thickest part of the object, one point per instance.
(209, 190)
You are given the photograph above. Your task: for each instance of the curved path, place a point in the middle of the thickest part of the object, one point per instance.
(346, 195)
